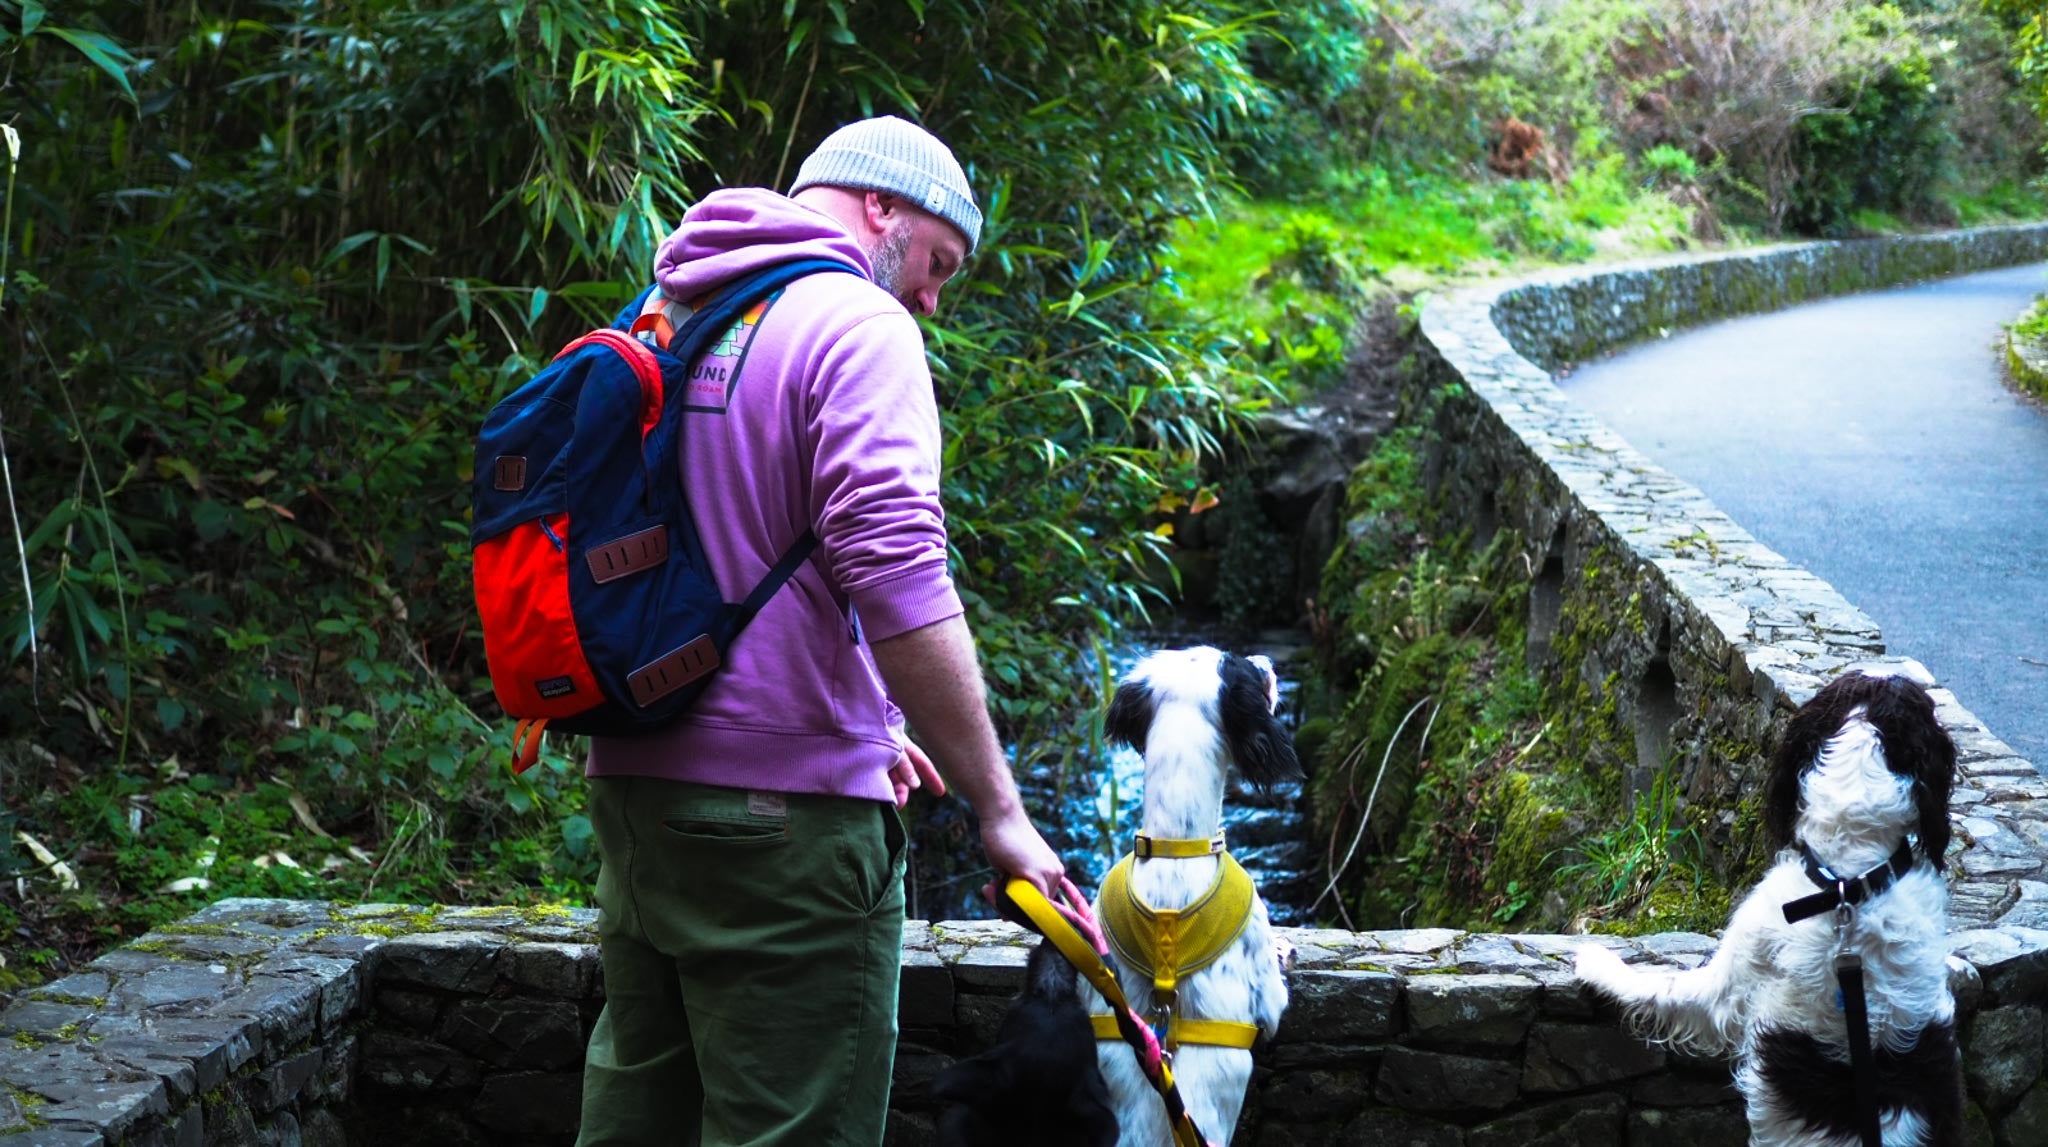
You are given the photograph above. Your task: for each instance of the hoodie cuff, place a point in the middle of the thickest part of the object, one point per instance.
(897, 606)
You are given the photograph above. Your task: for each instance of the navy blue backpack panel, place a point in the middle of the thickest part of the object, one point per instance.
(600, 612)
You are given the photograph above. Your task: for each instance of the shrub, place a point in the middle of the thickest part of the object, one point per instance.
(1880, 146)
(271, 264)
(1666, 165)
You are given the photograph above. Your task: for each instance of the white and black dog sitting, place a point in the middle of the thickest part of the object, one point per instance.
(1858, 802)
(1190, 713)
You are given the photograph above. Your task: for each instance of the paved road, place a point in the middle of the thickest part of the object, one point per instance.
(1870, 439)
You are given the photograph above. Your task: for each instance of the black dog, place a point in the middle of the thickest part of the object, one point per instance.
(1038, 1086)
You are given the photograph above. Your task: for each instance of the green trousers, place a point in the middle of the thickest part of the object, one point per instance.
(751, 946)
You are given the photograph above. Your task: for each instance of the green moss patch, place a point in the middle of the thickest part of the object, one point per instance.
(1452, 786)
(2026, 350)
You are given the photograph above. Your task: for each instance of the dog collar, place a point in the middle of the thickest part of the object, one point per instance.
(1837, 890)
(1146, 847)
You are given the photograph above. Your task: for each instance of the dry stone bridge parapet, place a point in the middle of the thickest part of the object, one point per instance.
(283, 1022)
(289, 1022)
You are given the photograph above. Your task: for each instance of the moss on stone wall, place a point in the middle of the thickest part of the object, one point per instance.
(1452, 784)
(1435, 773)
(2026, 350)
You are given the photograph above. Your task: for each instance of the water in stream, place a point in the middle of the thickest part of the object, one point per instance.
(1090, 813)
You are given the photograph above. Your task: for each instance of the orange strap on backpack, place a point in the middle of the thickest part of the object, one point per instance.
(526, 741)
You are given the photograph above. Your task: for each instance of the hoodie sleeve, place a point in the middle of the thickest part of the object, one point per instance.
(874, 429)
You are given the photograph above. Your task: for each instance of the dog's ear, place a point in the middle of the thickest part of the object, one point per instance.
(1094, 1122)
(1258, 742)
(1130, 715)
(1918, 748)
(1816, 721)
(974, 1081)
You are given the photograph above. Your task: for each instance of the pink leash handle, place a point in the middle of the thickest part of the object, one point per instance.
(1076, 911)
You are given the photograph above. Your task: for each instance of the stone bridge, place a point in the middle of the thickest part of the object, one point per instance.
(280, 1022)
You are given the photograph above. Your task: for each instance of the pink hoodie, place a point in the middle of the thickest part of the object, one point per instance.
(817, 412)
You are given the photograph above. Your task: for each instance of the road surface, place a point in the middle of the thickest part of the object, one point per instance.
(1872, 440)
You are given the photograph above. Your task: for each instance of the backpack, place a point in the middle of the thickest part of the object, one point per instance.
(600, 613)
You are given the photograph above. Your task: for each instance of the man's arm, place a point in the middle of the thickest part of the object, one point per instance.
(934, 676)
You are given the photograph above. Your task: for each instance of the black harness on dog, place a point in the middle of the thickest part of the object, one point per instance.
(1843, 894)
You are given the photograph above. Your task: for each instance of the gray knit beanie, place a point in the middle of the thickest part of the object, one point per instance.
(890, 154)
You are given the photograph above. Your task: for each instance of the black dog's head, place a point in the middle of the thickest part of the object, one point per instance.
(1916, 749)
(1038, 1086)
(1238, 695)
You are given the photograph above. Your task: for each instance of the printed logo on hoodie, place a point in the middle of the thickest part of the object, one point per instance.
(714, 375)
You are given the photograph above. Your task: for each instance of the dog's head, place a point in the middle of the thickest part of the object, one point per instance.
(1236, 696)
(1039, 1084)
(1865, 747)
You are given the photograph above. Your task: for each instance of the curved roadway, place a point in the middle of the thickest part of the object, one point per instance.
(1871, 439)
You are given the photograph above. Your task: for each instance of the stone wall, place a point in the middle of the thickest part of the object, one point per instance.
(282, 1023)
(2026, 356)
(1654, 612)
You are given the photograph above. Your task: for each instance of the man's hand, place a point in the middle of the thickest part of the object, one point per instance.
(934, 675)
(914, 770)
(1015, 848)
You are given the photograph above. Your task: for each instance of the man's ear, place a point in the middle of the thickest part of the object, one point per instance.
(882, 209)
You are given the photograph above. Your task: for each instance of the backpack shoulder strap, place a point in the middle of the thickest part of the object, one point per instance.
(734, 299)
(793, 559)
(689, 340)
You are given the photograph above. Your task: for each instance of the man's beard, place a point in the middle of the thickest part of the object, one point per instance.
(888, 259)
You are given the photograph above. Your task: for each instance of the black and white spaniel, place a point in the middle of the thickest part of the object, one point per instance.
(1191, 713)
(1857, 801)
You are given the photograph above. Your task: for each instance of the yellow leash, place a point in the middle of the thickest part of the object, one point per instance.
(1055, 924)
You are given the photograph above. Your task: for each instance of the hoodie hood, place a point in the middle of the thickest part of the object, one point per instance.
(741, 229)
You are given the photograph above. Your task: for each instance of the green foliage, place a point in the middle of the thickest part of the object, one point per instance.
(1665, 164)
(1291, 277)
(1435, 712)
(2034, 323)
(2006, 201)
(1646, 875)
(2026, 23)
(1882, 147)
(1456, 789)
(1319, 59)
(259, 309)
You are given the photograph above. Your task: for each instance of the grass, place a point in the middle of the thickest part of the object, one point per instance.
(1285, 278)
(1646, 875)
(2033, 323)
(2008, 201)
(1289, 275)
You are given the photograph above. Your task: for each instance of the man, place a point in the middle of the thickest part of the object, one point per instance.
(752, 886)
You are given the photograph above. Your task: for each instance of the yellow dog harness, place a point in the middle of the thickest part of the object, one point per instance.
(1168, 944)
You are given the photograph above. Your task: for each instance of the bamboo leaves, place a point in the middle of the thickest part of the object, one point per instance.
(105, 54)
